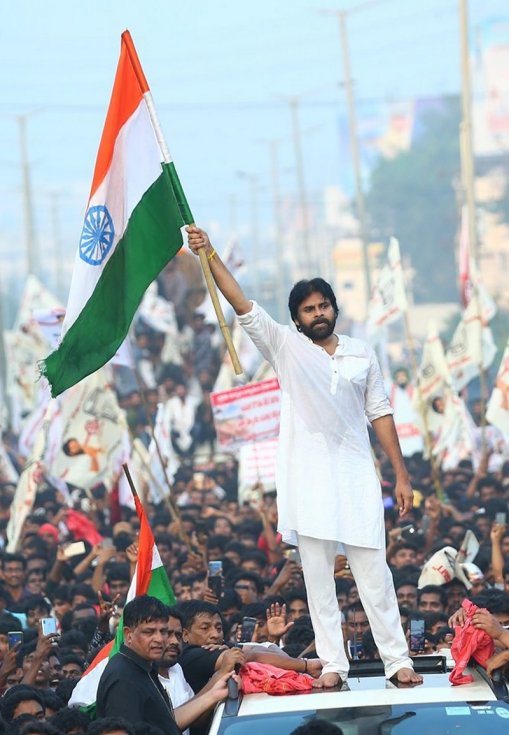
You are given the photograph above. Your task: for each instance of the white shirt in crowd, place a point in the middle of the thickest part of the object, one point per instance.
(177, 687)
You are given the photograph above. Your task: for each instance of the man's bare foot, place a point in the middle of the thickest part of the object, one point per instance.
(407, 677)
(328, 681)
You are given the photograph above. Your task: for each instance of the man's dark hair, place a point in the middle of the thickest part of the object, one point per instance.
(72, 658)
(38, 727)
(229, 599)
(66, 448)
(174, 612)
(61, 593)
(51, 699)
(255, 555)
(164, 538)
(300, 594)
(73, 638)
(70, 719)
(9, 622)
(144, 609)
(15, 695)
(7, 558)
(192, 608)
(240, 574)
(145, 728)
(305, 288)
(65, 688)
(37, 602)
(432, 589)
(119, 571)
(317, 726)
(105, 725)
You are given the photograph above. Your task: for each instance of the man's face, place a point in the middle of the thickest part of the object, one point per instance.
(247, 591)
(43, 675)
(60, 607)
(401, 378)
(119, 587)
(407, 596)
(206, 629)
(71, 671)
(222, 528)
(174, 645)
(316, 317)
(357, 623)
(455, 596)
(14, 574)
(296, 609)
(403, 557)
(34, 615)
(430, 602)
(36, 582)
(29, 707)
(148, 639)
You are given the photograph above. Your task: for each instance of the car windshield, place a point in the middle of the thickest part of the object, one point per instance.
(405, 719)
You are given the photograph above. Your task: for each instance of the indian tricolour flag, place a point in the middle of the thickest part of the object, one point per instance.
(132, 229)
(150, 578)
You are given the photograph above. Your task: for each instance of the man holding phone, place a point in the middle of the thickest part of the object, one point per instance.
(328, 489)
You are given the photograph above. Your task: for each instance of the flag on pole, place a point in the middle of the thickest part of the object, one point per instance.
(150, 578)
(498, 406)
(471, 345)
(132, 229)
(388, 301)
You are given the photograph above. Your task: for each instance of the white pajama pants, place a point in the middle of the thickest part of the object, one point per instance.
(376, 591)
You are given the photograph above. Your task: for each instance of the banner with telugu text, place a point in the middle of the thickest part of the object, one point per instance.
(247, 414)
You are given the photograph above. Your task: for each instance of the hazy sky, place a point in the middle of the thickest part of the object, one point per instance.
(219, 73)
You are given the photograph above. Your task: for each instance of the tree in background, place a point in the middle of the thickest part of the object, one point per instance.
(413, 197)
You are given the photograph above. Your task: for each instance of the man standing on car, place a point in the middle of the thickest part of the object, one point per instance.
(328, 489)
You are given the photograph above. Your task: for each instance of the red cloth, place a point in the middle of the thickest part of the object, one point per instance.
(272, 680)
(469, 642)
(82, 527)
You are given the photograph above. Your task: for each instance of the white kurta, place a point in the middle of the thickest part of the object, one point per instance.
(326, 481)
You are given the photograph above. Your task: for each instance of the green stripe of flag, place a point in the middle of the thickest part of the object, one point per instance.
(160, 587)
(151, 239)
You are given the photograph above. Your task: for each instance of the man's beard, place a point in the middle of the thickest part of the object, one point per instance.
(320, 329)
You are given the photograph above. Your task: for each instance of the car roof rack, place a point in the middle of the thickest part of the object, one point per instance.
(422, 665)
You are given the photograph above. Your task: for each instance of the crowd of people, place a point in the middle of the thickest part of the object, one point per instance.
(253, 607)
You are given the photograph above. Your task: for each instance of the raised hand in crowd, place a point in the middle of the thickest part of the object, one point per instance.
(9, 663)
(277, 625)
(106, 610)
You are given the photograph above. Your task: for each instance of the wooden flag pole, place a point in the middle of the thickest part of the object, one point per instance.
(180, 197)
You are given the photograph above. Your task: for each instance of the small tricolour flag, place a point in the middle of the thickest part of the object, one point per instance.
(132, 229)
(150, 578)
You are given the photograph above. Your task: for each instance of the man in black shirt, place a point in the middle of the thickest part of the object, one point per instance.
(129, 686)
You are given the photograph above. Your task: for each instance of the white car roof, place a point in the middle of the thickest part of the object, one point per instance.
(365, 691)
(435, 688)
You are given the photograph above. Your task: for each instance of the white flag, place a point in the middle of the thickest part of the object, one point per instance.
(92, 436)
(433, 371)
(31, 477)
(464, 352)
(498, 406)
(388, 301)
(454, 440)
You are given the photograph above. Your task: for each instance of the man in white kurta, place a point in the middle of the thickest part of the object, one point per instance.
(328, 490)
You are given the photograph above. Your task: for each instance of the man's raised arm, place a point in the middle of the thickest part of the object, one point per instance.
(226, 283)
